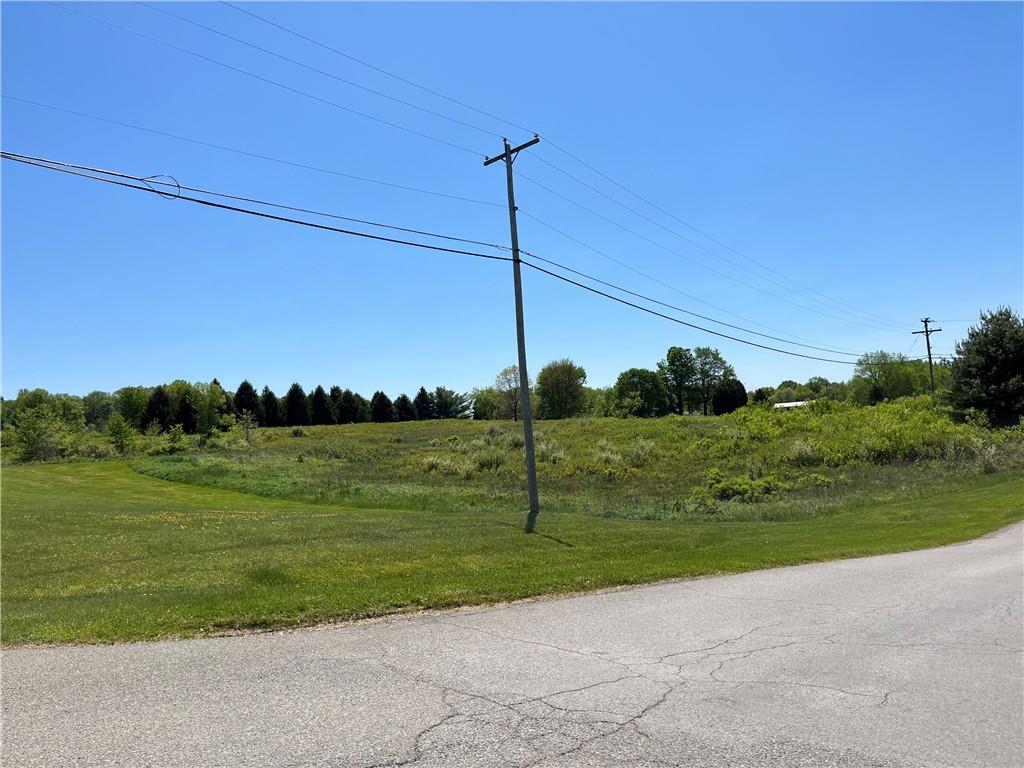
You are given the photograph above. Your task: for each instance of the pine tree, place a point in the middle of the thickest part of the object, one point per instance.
(362, 413)
(320, 406)
(404, 409)
(347, 407)
(296, 407)
(271, 408)
(158, 409)
(246, 400)
(187, 414)
(381, 408)
(424, 405)
(335, 397)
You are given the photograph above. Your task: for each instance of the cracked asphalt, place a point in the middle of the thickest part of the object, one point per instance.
(912, 659)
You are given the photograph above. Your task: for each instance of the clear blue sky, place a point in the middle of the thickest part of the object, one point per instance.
(871, 151)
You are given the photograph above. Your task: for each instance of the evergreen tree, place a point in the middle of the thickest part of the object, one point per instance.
(381, 408)
(404, 409)
(246, 399)
(271, 408)
(347, 407)
(296, 407)
(187, 413)
(322, 412)
(728, 396)
(424, 405)
(449, 404)
(158, 409)
(988, 371)
(362, 412)
(335, 396)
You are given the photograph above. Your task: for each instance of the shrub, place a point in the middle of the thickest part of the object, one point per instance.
(490, 459)
(638, 453)
(298, 432)
(40, 435)
(550, 452)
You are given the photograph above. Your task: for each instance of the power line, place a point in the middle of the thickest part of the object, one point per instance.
(677, 320)
(631, 268)
(317, 70)
(680, 309)
(144, 182)
(148, 180)
(706, 235)
(695, 244)
(375, 68)
(269, 81)
(694, 261)
(833, 302)
(48, 165)
(257, 155)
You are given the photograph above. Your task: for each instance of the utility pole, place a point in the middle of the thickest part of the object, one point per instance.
(928, 340)
(509, 155)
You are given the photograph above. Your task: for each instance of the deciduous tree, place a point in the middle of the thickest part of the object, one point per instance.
(643, 393)
(679, 370)
(560, 390)
(710, 370)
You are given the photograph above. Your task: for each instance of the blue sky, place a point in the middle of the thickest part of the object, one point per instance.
(870, 151)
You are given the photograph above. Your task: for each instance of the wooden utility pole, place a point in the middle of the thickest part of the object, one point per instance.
(509, 155)
(928, 341)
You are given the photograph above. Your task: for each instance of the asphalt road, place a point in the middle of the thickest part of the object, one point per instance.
(903, 660)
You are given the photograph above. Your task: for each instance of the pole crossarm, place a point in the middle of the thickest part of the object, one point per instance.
(509, 153)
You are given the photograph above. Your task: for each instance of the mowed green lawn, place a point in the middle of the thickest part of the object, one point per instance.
(95, 552)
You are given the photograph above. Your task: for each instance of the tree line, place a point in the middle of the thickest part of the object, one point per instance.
(985, 380)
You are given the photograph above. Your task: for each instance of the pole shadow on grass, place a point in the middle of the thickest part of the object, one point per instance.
(533, 532)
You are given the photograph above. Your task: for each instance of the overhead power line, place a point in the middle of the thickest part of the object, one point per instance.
(677, 320)
(671, 287)
(269, 81)
(702, 233)
(144, 184)
(375, 68)
(834, 303)
(831, 305)
(149, 180)
(684, 311)
(319, 71)
(143, 187)
(700, 264)
(256, 155)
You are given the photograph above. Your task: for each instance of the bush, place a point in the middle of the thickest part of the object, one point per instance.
(298, 432)
(638, 453)
(40, 435)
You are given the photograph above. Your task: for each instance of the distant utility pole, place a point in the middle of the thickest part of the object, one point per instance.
(928, 340)
(509, 156)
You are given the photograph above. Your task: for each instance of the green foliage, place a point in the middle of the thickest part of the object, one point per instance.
(560, 392)
(988, 371)
(97, 409)
(40, 434)
(246, 399)
(487, 403)
(679, 371)
(381, 408)
(404, 409)
(270, 406)
(158, 409)
(729, 396)
(121, 433)
(507, 387)
(424, 405)
(296, 406)
(710, 369)
(642, 393)
(187, 413)
(321, 411)
(449, 404)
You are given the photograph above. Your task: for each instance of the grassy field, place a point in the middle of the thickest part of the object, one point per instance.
(363, 520)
